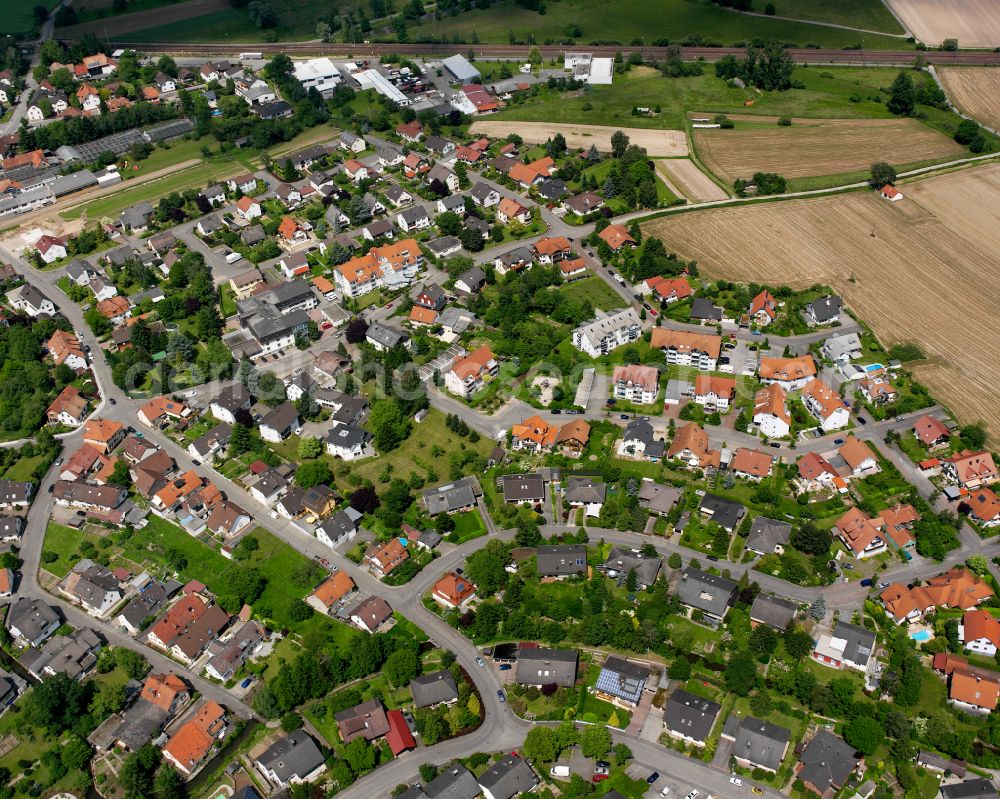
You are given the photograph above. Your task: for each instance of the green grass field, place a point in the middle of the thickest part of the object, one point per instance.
(593, 288)
(869, 14)
(17, 16)
(85, 13)
(676, 20)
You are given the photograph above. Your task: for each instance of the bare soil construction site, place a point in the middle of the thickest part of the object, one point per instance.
(921, 270)
(812, 147)
(658, 143)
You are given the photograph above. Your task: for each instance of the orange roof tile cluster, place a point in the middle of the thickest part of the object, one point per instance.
(974, 689)
(983, 504)
(288, 227)
(162, 689)
(411, 129)
(576, 431)
(244, 204)
(177, 490)
(101, 431)
(676, 288)
(162, 406)
(535, 430)
(877, 389)
(930, 430)
(751, 461)
(113, 306)
(353, 165)
(973, 467)
(552, 245)
(62, 345)
(192, 742)
(616, 237)
(569, 266)
(35, 158)
(455, 588)
(645, 377)
(770, 400)
(719, 386)
(825, 399)
(764, 302)
(423, 316)
(958, 589)
(81, 461)
(467, 154)
(812, 465)
(858, 530)
(787, 369)
(693, 439)
(69, 401)
(393, 257)
(511, 208)
(388, 555)
(854, 451)
(686, 342)
(473, 364)
(334, 588)
(898, 521)
(980, 624)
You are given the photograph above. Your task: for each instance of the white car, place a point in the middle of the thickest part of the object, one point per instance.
(692, 795)
(735, 780)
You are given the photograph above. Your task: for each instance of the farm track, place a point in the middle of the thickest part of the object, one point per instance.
(376, 49)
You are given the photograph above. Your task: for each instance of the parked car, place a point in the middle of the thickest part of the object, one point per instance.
(866, 583)
(246, 682)
(838, 441)
(501, 696)
(848, 566)
(599, 778)
(862, 420)
(481, 663)
(112, 400)
(692, 795)
(505, 667)
(652, 778)
(757, 791)
(735, 780)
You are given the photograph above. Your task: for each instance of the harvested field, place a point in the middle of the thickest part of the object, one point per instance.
(976, 91)
(669, 143)
(690, 181)
(811, 147)
(927, 275)
(975, 23)
(150, 18)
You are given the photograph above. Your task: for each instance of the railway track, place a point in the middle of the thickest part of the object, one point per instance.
(376, 49)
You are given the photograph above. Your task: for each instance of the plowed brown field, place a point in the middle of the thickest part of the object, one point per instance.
(975, 23)
(975, 90)
(920, 270)
(813, 147)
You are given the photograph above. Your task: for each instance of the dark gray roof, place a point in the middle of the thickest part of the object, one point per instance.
(149, 603)
(772, 610)
(765, 534)
(379, 227)
(451, 497)
(658, 498)
(585, 490)
(552, 189)
(455, 782)
(622, 678)
(690, 715)
(340, 524)
(220, 433)
(293, 756)
(432, 689)
(724, 512)
(706, 592)
(386, 336)
(139, 724)
(414, 214)
(638, 430)
(705, 309)
(970, 789)
(281, 418)
(253, 234)
(546, 666)
(523, 487)
(508, 777)
(444, 244)
(761, 743)
(348, 435)
(558, 560)
(234, 397)
(31, 617)
(826, 308)
(827, 761)
(473, 278)
(621, 561)
(481, 191)
(860, 642)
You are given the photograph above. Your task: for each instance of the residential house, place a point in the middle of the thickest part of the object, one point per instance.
(816, 473)
(683, 348)
(68, 408)
(453, 591)
(774, 611)
(343, 525)
(328, 594)
(74, 655)
(32, 621)
(228, 656)
(751, 464)
(709, 593)
(759, 744)
(30, 300)
(763, 308)
(637, 383)
(621, 562)
(824, 311)
(471, 372)
(621, 681)
(931, 432)
(561, 560)
(458, 496)
(508, 777)
(690, 718)
(658, 499)
(540, 666)
(714, 393)
(861, 534)
(292, 759)
(279, 423)
(534, 435)
(791, 374)
(523, 488)
(979, 632)
(584, 203)
(572, 438)
(92, 586)
(231, 401)
(382, 559)
(848, 646)
(690, 445)
(367, 720)
(348, 442)
(190, 745)
(371, 614)
(971, 470)
(585, 493)
(767, 536)
(484, 195)
(433, 690)
(607, 333)
(510, 210)
(826, 405)
(616, 237)
(843, 348)
(770, 412)
(104, 434)
(826, 764)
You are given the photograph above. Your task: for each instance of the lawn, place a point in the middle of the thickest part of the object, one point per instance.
(593, 288)
(870, 14)
(64, 542)
(679, 21)
(227, 301)
(18, 17)
(192, 177)
(415, 453)
(468, 525)
(22, 468)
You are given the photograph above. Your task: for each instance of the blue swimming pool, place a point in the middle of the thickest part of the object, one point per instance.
(873, 367)
(921, 635)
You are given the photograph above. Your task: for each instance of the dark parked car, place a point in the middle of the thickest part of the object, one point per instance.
(652, 778)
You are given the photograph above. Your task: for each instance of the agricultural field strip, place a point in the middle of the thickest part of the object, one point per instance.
(938, 243)
(658, 143)
(975, 91)
(975, 23)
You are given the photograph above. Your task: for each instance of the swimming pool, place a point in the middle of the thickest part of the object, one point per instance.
(921, 635)
(873, 367)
